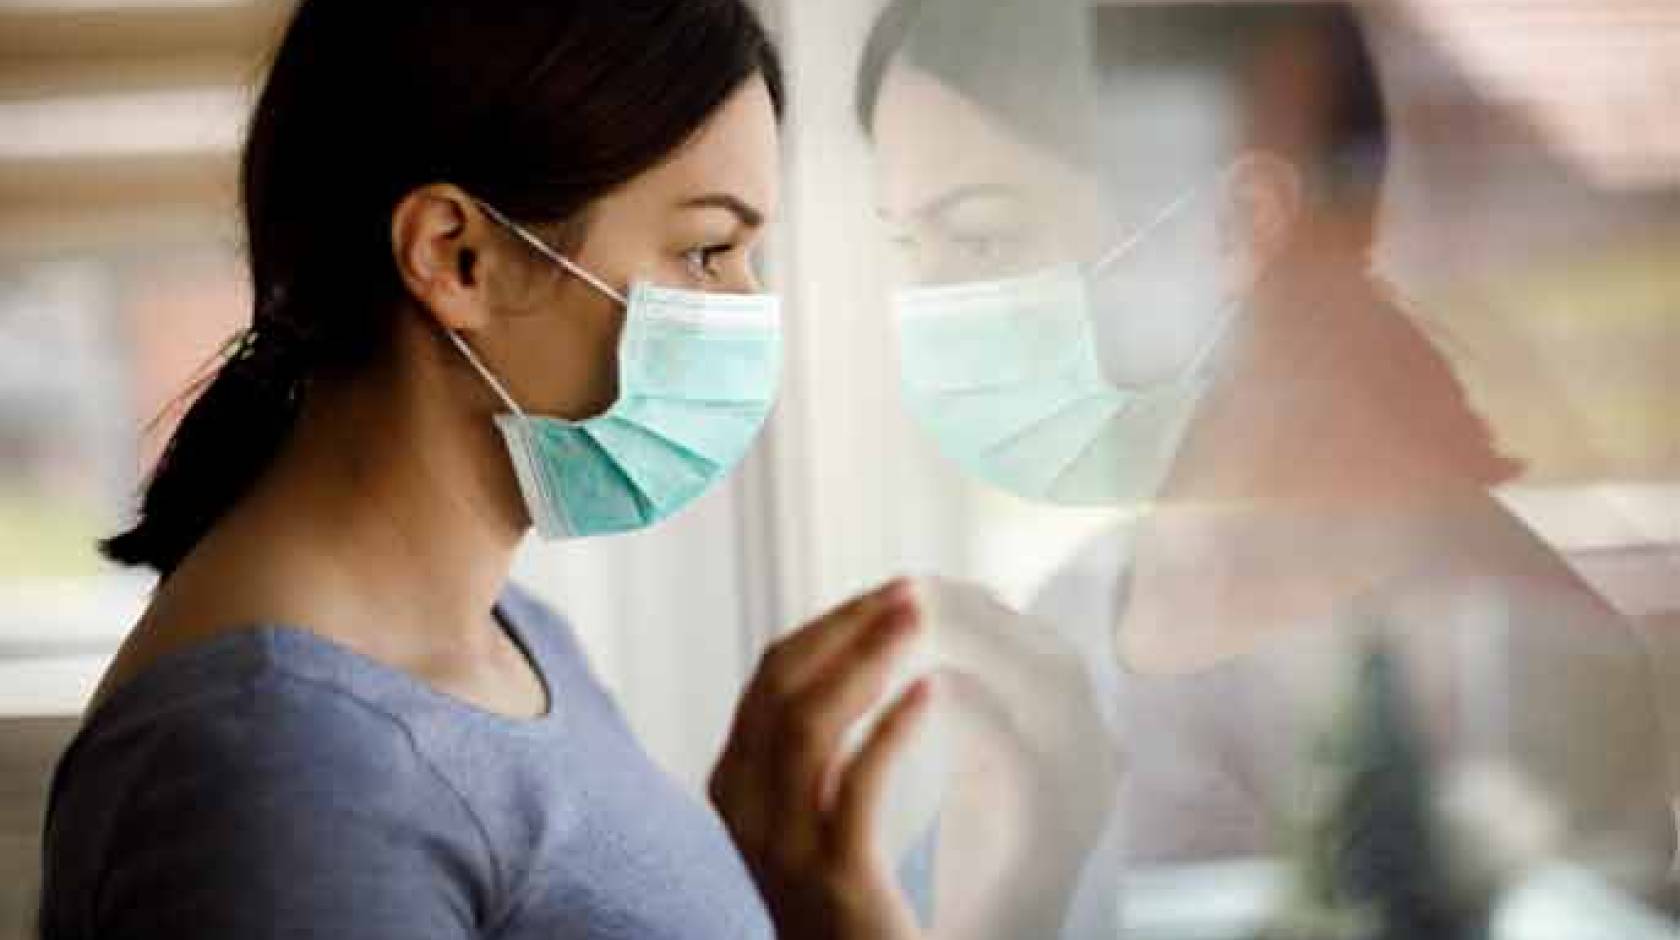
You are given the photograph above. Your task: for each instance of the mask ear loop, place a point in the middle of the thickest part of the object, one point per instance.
(497, 387)
(572, 267)
(547, 252)
(1221, 323)
(1216, 333)
(1113, 255)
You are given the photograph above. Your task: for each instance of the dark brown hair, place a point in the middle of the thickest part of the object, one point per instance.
(1030, 61)
(537, 106)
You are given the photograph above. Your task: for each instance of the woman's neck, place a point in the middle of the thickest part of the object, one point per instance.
(1315, 396)
(1306, 480)
(389, 520)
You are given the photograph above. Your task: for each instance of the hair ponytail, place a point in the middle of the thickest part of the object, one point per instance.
(228, 436)
(539, 107)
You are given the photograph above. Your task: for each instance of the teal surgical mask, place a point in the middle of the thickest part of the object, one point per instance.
(697, 375)
(1005, 376)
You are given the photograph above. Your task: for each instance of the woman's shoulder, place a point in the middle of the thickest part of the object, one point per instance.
(234, 705)
(233, 735)
(276, 710)
(291, 795)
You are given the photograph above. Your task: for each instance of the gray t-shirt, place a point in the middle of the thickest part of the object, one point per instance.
(1532, 675)
(271, 783)
(1536, 676)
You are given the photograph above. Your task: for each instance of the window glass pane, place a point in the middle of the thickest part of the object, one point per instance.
(1297, 383)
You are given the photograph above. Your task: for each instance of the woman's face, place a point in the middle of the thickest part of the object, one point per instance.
(962, 198)
(966, 197)
(694, 222)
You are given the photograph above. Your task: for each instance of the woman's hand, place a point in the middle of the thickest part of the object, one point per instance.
(801, 811)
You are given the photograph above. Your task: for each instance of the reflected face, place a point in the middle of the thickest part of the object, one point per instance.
(965, 198)
(962, 197)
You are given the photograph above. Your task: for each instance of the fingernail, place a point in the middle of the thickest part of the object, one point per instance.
(897, 589)
(905, 595)
(923, 688)
(902, 619)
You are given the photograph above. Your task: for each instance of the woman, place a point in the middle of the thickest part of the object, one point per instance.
(334, 719)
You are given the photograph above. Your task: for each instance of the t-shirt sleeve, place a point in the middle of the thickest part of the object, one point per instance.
(1586, 725)
(290, 811)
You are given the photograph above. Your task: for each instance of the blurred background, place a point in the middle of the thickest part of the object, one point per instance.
(1531, 219)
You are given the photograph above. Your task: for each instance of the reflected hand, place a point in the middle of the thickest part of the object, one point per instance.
(801, 813)
(1035, 769)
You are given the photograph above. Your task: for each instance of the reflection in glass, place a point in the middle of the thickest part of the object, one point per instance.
(1135, 268)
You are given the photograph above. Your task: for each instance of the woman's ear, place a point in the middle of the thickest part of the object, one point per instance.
(438, 241)
(1260, 201)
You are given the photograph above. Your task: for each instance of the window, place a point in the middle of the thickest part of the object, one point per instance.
(1409, 279)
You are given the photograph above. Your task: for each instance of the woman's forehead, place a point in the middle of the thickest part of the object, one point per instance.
(736, 151)
(932, 141)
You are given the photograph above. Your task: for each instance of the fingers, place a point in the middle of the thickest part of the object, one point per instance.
(770, 785)
(837, 698)
(808, 689)
(796, 661)
(797, 658)
(1022, 660)
(859, 794)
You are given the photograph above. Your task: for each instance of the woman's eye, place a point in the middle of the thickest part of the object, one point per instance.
(984, 247)
(702, 262)
(903, 243)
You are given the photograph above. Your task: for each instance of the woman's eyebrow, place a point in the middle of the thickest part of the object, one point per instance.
(750, 216)
(942, 204)
(938, 206)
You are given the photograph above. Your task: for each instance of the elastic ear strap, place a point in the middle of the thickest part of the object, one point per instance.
(484, 373)
(549, 253)
(1125, 247)
(1216, 332)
